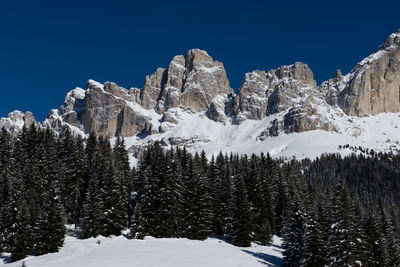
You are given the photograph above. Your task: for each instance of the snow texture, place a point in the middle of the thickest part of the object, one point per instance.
(152, 252)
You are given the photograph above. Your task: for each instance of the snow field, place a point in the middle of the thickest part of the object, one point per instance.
(155, 252)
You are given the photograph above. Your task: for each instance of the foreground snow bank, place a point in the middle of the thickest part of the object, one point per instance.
(152, 252)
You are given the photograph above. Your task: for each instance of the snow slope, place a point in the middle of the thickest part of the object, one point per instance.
(152, 252)
(197, 132)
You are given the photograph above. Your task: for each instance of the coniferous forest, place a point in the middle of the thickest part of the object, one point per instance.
(331, 211)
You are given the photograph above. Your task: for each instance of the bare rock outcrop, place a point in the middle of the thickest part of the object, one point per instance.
(196, 83)
(205, 79)
(252, 99)
(16, 121)
(374, 84)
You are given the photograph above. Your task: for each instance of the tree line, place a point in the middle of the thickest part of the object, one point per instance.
(329, 211)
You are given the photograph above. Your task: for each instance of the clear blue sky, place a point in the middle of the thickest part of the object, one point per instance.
(50, 47)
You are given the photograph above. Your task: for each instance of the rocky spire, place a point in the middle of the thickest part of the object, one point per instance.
(374, 84)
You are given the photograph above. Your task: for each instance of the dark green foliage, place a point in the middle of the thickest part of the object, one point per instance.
(198, 219)
(347, 245)
(221, 185)
(314, 249)
(46, 181)
(242, 216)
(388, 239)
(294, 222)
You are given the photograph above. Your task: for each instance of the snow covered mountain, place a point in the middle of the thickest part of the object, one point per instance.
(281, 111)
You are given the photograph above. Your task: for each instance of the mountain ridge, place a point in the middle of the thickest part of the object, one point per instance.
(197, 85)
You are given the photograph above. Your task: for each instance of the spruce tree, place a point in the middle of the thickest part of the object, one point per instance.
(221, 184)
(171, 198)
(198, 219)
(92, 216)
(388, 238)
(122, 174)
(373, 241)
(314, 251)
(294, 221)
(50, 226)
(242, 216)
(6, 170)
(112, 194)
(346, 243)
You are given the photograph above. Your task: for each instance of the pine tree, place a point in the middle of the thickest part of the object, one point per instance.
(66, 175)
(346, 243)
(23, 243)
(6, 220)
(198, 220)
(242, 217)
(146, 218)
(293, 230)
(113, 193)
(261, 201)
(139, 225)
(373, 241)
(93, 206)
(50, 226)
(388, 238)
(314, 251)
(21, 233)
(122, 174)
(171, 198)
(221, 184)
(80, 188)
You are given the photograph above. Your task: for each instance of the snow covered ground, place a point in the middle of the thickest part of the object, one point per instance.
(152, 252)
(197, 132)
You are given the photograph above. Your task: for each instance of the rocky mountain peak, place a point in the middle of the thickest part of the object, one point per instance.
(393, 41)
(373, 86)
(16, 120)
(197, 85)
(338, 74)
(298, 71)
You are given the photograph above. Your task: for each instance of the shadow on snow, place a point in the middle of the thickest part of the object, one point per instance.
(266, 259)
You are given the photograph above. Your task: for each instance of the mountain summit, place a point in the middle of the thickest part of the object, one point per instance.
(195, 89)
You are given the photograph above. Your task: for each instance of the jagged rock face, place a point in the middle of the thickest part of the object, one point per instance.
(107, 110)
(333, 87)
(198, 84)
(173, 87)
(205, 79)
(110, 115)
(264, 93)
(192, 83)
(291, 84)
(252, 100)
(374, 84)
(16, 121)
(298, 119)
(153, 86)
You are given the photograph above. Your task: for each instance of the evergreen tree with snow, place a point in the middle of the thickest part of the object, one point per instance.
(346, 244)
(146, 218)
(50, 226)
(112, 193)
(171, 197)
(388, 239)
(6, 177)
(259, 196)
(314, 251)
(92, 215)
(198, 220)
(373, 241)
(122, 174)
(221, 183)
(242, 216)
(294, 221)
